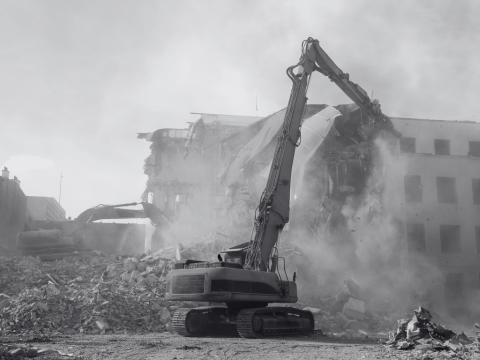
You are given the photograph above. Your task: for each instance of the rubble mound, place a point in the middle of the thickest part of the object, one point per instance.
(422, 334)
(90, 294)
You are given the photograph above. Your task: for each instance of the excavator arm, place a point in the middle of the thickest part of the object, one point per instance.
(111, 212)
(355, 92)
(273, 211)
(69, 234)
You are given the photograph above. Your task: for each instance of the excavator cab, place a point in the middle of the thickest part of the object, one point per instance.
(236, 254)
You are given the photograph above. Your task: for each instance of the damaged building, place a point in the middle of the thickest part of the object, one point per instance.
(402, 198)
(441, 185)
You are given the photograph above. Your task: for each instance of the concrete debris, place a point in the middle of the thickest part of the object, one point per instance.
(13, 351)
(314, 311)
(111, 294)
(355, 309)
(423, 335)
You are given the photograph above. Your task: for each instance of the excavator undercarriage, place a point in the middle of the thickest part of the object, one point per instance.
(254, 322)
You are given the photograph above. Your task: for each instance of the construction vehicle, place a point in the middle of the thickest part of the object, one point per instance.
(249, 278)
(66, 237)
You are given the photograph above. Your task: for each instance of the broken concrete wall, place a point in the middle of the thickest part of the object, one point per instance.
(182, 175)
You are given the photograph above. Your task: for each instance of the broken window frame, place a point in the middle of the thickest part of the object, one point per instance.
(442, 146)
(447, 190)
(408, 145)
(413, 188)
(447, 234)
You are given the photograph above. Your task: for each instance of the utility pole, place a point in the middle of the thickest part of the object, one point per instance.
(60, 193)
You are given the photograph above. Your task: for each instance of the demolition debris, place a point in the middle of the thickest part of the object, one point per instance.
(421, 333)
(95, 294)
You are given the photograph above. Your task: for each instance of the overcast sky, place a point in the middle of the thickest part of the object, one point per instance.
(79, 78)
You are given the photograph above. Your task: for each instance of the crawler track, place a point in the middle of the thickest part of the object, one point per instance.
(195, 322)
(274, 321)
(178, 321)
(250, 323)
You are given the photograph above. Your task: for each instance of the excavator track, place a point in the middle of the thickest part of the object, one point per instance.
(274, 321)
(197, 321)
(250, 323)
(178, 321)
(244, 324)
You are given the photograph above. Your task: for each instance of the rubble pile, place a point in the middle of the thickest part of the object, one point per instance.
(208, 245)
(93, 294)
(20, 352)
(425, 336)
(348, 314)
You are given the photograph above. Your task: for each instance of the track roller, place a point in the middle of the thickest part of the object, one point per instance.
(274, 321)
(190, 322)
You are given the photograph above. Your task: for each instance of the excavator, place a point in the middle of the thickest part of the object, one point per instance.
(249, 278)
(67, 236)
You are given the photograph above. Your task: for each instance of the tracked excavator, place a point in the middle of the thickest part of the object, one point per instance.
(66, 237)
(249, 278)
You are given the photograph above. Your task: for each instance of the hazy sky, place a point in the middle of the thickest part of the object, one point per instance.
(79, 78)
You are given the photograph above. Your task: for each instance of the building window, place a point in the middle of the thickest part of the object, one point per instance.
(407, 145)
(453, 286)
(413, 188)
(450, 239)
(446, 190)
(416, 238)
(476, 191)
(474, 148)
(477, 237)
(442, 147)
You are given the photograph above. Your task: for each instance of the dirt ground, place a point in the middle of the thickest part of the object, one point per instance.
(172, 346)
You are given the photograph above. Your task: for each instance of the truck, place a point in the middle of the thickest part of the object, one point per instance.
(241, 285)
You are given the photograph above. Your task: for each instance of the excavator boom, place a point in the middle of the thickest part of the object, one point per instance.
(274, 208)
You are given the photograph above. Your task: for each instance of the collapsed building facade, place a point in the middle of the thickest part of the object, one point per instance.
(363, 201)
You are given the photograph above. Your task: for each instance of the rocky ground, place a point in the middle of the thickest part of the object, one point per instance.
(171, 346)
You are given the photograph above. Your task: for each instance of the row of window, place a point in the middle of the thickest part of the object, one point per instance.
(446, 189)
(442, 146)
(450, 241)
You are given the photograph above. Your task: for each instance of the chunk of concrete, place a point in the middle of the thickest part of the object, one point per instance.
(314, 311)
(354, 309)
